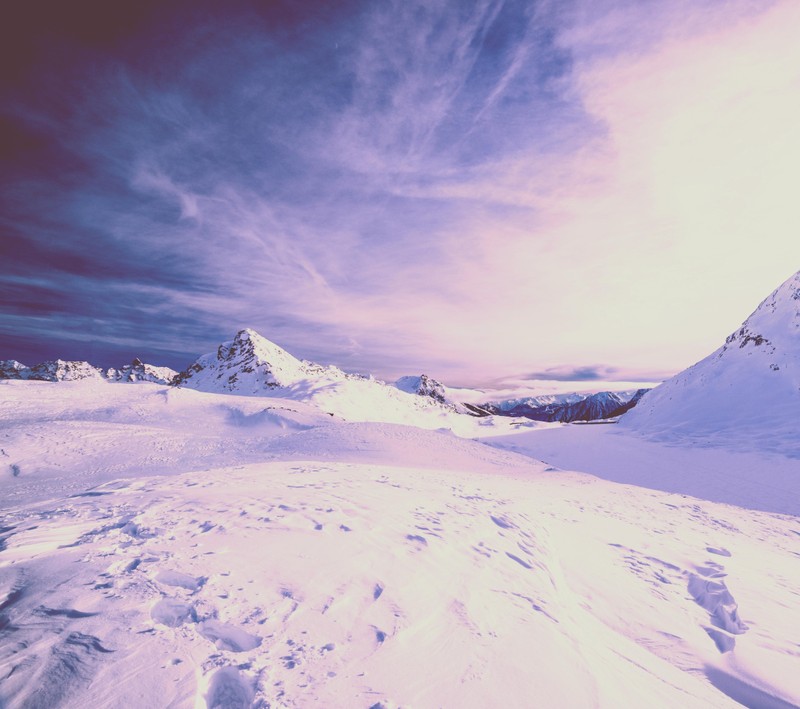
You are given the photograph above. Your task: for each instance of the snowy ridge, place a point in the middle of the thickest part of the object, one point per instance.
(11, 369)
(60, 370)
(745, 395)
(138, 371)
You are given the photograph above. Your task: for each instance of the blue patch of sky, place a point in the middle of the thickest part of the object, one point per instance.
(260, 148)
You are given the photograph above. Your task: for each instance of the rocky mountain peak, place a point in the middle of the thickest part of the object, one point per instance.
(248, 363)
(775, 323)
(746, 394)
(423, 385)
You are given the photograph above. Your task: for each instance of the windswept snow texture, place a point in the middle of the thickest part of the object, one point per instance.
(744, 396)
(170, 547)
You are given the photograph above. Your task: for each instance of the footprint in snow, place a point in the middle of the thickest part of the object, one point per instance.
(180, 580)
(711, 593)
(228, 637)
(173, 613)
(502, 523)
(229, 689)
(418, 540)
(721, 551)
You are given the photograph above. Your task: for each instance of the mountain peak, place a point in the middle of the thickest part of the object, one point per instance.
(745, 394)
(773, 321)
(249, 363)
(423, 385)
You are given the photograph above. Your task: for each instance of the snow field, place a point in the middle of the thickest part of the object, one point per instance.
(163, 547)
(305, 583)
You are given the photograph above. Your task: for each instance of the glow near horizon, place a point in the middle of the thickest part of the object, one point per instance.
(420, 222)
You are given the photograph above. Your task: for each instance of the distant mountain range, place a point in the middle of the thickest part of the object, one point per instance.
(252, 365)
(590, 407)
(60, 370)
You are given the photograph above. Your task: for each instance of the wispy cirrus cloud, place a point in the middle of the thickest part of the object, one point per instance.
(469, 189)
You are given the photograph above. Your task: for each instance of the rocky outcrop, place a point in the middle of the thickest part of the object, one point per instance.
(11, 369)
(60, 370)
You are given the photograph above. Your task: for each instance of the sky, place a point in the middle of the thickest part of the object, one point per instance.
(487, 192)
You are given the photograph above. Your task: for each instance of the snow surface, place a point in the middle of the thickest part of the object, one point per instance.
(753, 480)
(170, 547)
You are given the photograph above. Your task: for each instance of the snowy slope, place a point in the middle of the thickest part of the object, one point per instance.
(744, 396)
(750, 479)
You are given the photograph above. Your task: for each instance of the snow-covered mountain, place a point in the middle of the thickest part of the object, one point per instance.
(252, 365)
(423, 385)
(535, 402)
(138, 371)
(11, 369)
(426, 386)
(573, 407)
(57, 370)
(60, 370)
(629, 404)
(745, 395)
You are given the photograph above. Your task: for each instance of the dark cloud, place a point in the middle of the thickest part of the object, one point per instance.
(576, 374)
